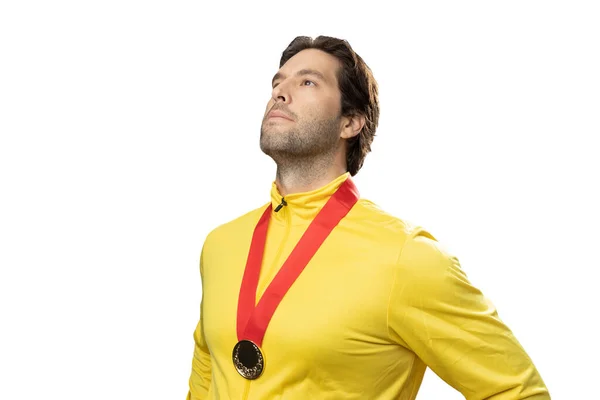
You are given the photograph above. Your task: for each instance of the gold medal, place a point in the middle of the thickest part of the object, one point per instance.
(248, 359)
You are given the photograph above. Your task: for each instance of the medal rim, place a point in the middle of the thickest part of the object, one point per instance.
(241, 368)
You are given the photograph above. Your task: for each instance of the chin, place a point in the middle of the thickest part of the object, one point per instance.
(272, 145)
(272, 130)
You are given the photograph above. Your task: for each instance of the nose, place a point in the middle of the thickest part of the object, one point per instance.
(281, 93)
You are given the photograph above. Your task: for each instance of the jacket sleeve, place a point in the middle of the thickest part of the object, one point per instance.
(200, 378)
(454, 329)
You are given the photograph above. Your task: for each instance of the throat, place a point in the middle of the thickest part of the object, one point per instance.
(300, 179)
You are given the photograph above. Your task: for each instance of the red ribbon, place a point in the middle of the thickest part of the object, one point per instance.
(252, 321)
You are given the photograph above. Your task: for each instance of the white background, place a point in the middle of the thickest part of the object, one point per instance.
(129, 130)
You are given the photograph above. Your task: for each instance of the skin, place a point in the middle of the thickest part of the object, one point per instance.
(309, 146)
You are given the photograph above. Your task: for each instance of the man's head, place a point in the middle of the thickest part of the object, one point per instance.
(327, 101)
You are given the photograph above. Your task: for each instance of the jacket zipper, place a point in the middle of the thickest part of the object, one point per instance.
(287, 230)
(277, 257)
(283, 203)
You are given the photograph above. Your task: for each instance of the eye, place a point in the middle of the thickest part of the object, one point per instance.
(304, 83)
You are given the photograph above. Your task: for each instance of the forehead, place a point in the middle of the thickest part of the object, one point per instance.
(313, 59)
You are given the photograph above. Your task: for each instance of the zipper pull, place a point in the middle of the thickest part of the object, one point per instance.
(283, 203)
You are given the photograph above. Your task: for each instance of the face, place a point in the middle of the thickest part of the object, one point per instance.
(302, 118)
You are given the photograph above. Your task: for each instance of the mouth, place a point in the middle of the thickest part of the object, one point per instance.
(278, 118)
(276, 114)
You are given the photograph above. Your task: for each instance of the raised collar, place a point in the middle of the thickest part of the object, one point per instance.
(303, 207)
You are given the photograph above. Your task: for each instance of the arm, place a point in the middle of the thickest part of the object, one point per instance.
(449, 324)
(200, 378)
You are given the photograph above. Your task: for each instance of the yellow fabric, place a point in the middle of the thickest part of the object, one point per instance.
(379, 302)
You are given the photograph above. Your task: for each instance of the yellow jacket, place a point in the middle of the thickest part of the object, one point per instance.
(378, 303)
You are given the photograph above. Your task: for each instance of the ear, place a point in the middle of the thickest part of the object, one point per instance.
(352, 125)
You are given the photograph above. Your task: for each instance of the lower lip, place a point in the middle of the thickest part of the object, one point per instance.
(278, 117)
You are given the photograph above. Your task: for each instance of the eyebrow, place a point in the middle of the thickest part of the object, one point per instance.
(305, 71)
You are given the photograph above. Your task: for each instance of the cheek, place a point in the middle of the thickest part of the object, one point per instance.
(322, 107)
(334, 104)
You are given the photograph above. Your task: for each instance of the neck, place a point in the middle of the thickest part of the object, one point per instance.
(307, 175)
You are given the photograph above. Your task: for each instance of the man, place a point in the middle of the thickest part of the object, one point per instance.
(322, 295)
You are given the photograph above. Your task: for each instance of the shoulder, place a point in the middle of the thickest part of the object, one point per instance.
(424, 256)
(388, 227)
(427, 271)
(421, 258)
(239, 227)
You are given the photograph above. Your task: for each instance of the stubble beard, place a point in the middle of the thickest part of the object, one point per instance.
(303, 144)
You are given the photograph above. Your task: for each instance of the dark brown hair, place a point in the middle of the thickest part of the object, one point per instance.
(357, 86)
